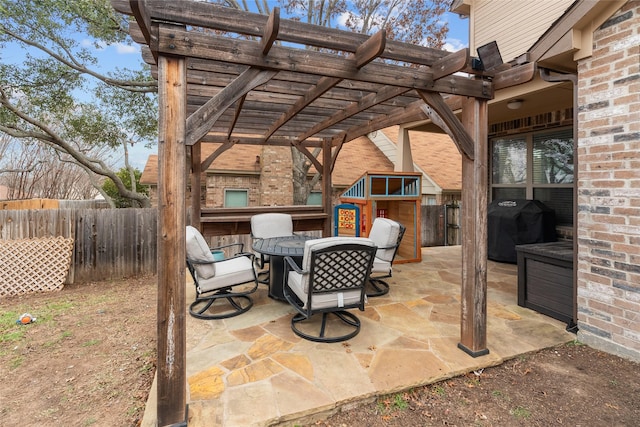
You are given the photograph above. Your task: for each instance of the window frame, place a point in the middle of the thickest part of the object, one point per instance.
(236, 190)
(529, 186)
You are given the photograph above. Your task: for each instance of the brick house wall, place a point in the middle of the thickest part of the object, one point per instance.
(276, 185)
(609, 187)
(217, 183)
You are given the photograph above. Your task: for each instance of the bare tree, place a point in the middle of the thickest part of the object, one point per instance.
(57, 96)
(29, 169)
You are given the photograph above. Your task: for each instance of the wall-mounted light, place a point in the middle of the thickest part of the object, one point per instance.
(515, 104)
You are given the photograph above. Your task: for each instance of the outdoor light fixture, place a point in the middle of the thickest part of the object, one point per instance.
(490, 57)
(515, 104)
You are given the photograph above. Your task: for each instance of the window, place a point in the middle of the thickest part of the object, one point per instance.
(315, 198)
(535, 166)
(236, 198)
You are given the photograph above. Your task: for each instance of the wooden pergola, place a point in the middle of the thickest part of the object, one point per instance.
(232, 77)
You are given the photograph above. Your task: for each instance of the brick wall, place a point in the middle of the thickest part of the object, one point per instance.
(276, 185)
(609, 187)
(216, 185)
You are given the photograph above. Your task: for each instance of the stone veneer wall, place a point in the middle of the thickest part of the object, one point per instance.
(609, 187)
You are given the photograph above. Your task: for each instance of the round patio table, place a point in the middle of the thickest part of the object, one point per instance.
(277, 248)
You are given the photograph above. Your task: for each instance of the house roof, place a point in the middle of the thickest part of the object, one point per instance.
(240, 158)
(436, 154)
(355, 158)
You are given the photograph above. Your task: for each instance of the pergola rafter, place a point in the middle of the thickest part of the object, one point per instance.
(231, 77)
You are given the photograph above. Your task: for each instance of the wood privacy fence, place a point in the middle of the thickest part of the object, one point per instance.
(115, 243)
(108, 243)
(440, 225)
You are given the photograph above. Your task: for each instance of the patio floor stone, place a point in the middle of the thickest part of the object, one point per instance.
(252, 370)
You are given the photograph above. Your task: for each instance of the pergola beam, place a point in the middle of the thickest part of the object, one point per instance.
(218, 48)
(199, 123)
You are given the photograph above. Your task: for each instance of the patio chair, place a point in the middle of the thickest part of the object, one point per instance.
(267, 225)
(219, 280)
(330, 281)
(387, 235)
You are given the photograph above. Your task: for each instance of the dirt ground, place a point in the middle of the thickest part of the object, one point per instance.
(89, 360)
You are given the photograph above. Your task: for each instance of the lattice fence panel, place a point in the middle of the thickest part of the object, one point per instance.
(34, 265)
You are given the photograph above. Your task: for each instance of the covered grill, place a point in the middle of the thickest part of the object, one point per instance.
(517, 222)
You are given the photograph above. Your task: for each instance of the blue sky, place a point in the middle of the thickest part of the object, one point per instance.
(124, 56)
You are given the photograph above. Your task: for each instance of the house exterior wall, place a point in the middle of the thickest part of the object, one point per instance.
(276, 185)
(609, 187)
(217, 183)
(514, 25)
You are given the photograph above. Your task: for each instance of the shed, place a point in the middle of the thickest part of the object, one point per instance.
(393, 195)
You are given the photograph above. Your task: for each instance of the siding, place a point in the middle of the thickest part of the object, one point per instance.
(520, 23)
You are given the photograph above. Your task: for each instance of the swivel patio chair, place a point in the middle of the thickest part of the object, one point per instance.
(387, 235)
(227, 280)
(330, 281)
(265, 226)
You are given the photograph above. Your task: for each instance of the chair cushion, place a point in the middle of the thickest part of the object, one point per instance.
(381, 266)
(316, 244)
(384, 232)
(232, 271)
(264, 226)
(198, 250)
(299, 285)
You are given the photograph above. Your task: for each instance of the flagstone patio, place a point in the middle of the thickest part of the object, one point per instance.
(252, 370)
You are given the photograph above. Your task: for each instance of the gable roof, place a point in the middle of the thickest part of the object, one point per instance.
(436, 154)
(240, 158)
(354, 159)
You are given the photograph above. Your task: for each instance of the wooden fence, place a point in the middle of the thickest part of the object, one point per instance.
(115, 243)
(108, 243)
(440, 225)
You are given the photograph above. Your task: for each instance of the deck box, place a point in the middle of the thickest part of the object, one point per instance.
(545, 279)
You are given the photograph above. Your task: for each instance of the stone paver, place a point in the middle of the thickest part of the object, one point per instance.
(253, 371)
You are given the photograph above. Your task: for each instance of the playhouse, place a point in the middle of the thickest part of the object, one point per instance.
(393, 195)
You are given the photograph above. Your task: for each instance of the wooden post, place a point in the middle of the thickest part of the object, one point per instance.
(327, 196)
(171, 371)
(196, 176)
(404, 161)
(473, 329)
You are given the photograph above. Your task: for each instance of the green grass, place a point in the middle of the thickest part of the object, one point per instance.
(440, 391)
(521, 412)
(387, 404)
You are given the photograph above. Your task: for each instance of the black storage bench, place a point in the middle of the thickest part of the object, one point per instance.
(545, 279)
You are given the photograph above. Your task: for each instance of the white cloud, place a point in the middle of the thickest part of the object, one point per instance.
(454, 45)
(124, 49)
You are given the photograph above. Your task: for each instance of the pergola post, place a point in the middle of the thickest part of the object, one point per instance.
(473, 328)
(196, 177)
(327, 195)
(171, 370)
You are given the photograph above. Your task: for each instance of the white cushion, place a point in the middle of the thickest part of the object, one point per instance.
(381, 266)
(299, 283)
(198, 250)
(315, 244)
(232, 271)
(384, 232)
(264, 226)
